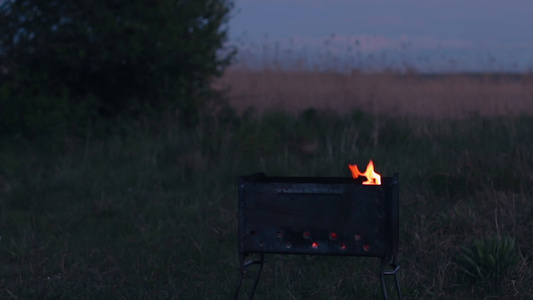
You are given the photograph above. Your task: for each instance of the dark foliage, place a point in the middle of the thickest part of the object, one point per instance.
(64, 62)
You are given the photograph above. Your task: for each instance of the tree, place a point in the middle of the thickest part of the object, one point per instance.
(109, 57)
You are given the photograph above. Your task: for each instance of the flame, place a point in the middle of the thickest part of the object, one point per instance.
(372, 177)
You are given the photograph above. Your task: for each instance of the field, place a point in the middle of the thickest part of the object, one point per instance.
(433, 96)
(149, 210)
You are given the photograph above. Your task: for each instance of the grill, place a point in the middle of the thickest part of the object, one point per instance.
(318, 216)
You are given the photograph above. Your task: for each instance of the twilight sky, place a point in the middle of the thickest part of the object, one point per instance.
(444, 35)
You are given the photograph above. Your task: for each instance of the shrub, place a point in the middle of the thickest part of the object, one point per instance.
(130, 57)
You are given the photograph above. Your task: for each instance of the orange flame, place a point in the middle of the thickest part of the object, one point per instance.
(372, 177)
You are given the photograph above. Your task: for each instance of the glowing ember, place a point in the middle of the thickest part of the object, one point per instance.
(372, 177)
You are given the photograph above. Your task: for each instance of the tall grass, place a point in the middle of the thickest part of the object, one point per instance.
(411, 94)
(149, 212)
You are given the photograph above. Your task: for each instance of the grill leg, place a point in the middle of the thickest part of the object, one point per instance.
(241, 275)
(244, 268)
(394, 272)
(261, 263)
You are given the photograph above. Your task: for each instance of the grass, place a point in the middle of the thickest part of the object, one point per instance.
(149, 212)
(385, 93)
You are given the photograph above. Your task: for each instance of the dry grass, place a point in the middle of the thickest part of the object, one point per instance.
(452, 96)
(150, 212)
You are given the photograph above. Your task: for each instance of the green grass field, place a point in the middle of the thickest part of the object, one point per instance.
(149, 211)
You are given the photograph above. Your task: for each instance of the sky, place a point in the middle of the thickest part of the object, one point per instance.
(430, 36)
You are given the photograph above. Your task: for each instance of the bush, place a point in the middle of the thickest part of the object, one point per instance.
(125, 57)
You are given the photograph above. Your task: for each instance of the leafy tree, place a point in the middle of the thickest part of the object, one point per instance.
(67, 60)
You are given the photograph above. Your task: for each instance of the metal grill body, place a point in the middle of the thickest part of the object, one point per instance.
(318, 216)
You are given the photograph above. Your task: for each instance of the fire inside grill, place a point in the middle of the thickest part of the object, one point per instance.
(339, 216)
